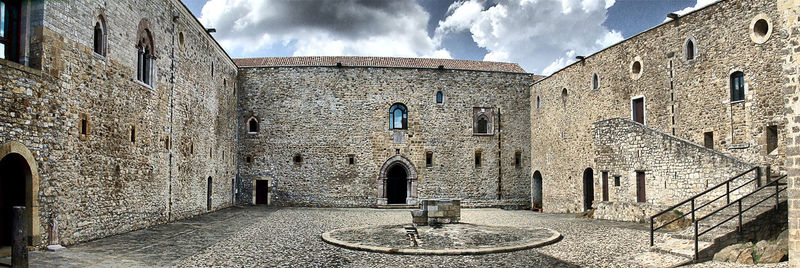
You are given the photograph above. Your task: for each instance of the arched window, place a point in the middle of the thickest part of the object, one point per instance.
(689, 49)
(595, 81)
(10, 36)
(737, 86)
(100, 37)
(439, 97)
(564, 96)
(145, 57)
(483, 125)
(252, 126)
(398, 116)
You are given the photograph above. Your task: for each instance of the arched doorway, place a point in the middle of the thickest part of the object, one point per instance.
(537, 189)
(588, 188)
(396, 185)
(397, 182)
(14, 172)
(19, 178)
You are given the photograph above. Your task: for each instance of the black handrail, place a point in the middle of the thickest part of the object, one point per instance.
(693, 198)
(778, 190)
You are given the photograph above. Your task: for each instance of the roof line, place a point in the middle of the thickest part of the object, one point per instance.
(387, 67)
(636, 35)
(206, 31)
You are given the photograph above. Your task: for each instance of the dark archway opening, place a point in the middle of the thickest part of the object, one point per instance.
(588, 188)
(396, 185)
(537, 189)
(14, 172)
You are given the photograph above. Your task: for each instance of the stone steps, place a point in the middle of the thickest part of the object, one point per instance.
(680, 247)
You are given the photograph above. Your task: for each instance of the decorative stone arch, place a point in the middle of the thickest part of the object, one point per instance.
(31, 189)
(143, 31)
(411, 177)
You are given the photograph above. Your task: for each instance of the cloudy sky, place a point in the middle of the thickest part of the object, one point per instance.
(541, 35)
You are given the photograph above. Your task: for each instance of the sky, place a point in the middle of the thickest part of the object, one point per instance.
(542, 36)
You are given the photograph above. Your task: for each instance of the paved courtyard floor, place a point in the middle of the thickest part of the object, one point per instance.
(290, 237)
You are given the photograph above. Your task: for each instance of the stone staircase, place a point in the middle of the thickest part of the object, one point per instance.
(721, 227)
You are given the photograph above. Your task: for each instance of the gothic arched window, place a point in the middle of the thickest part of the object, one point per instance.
(145, 57)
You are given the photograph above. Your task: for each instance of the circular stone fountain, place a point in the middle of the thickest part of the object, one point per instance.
(446, 239)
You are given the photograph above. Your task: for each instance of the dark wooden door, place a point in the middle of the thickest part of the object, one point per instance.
(605, 186)
(262, 192)
(640, 187)
(638, 110)
(588, 189)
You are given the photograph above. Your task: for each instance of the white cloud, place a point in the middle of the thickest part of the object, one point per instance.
(541, 35)
(698, 5)
(320, 28)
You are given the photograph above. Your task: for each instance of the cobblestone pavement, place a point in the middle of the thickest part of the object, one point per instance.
(290, 237)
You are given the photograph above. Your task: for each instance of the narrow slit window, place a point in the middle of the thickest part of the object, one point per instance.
(351, 159)
(429, 159)
(477, 159)
(84, 126)
(518, 159)
(133, 134)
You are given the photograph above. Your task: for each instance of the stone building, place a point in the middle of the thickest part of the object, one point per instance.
(117, 115)
(366, 131)
(710, 78)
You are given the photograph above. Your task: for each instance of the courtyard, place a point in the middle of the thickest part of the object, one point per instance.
(290, 237)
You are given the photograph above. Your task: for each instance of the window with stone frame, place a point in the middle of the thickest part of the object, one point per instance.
(100, 36)
(252, 126)
(737, 86)
(145, 58)
(771, 133)
(439, 97)
(482, 121)
(429, 159)
(10, 30)
(84, 127)
(398, 116)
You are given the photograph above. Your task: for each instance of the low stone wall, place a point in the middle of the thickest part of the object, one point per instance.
(625, 211)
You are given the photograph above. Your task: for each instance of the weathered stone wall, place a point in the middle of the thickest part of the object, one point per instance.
(790, 11)
(104, 183)
(675, 169)
(682, 97)
(326, 114)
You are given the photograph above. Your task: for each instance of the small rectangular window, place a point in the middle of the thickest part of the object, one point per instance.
(477, 159)
(429, 159)
(518, 159)
(772, 138)
(351, 159)
(248, 159)
(616, 180)
(133, 134)
(166, 142)
(708, 140)
(84, 126)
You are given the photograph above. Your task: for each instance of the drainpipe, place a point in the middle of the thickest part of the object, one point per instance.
(499, 157)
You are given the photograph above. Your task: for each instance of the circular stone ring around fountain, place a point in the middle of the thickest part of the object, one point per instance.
(445, 239)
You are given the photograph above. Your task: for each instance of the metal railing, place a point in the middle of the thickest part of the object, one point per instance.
(703, 195)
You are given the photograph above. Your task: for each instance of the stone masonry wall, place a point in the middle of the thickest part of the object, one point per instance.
(104, 183)
(684, 98)
(790, 20)
(326, 114)
(675, 169)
